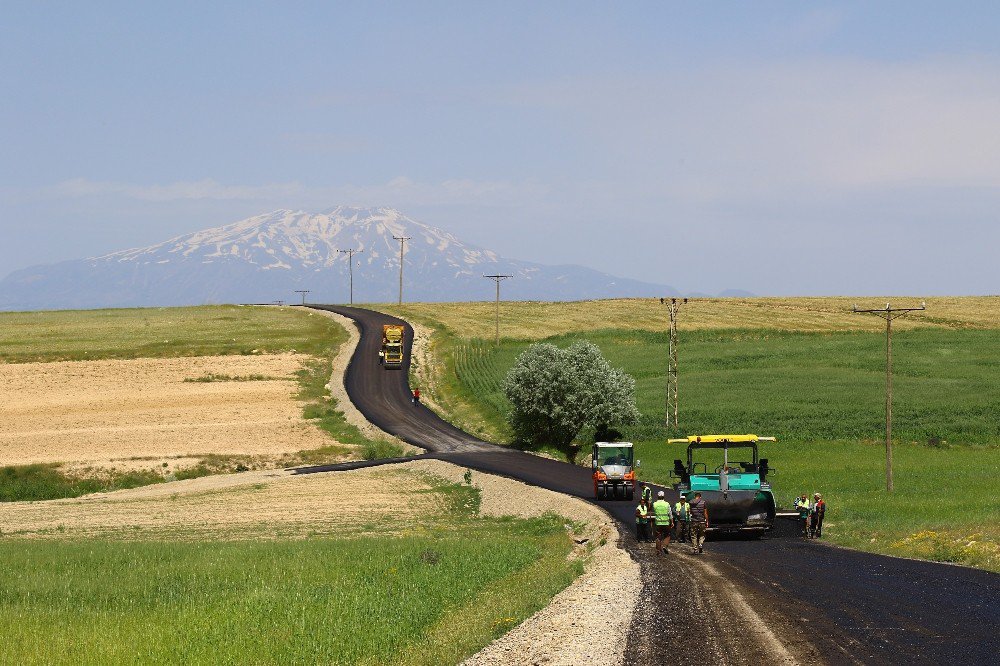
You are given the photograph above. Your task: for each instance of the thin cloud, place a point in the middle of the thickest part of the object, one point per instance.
(400, 191)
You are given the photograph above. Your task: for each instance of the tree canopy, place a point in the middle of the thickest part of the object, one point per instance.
(555, 393)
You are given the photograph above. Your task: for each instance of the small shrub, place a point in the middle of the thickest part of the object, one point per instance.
(381, 449)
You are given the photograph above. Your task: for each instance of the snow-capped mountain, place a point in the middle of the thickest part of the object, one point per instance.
(266, 257)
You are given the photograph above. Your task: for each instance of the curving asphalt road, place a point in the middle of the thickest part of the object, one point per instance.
(824, 604)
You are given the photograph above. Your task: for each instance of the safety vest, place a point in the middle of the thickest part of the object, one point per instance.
(647, 494)
(681, 509)
(643, 512)
(802, 506)
(662, 510)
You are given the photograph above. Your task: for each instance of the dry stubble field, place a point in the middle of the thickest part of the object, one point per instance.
(114, 412)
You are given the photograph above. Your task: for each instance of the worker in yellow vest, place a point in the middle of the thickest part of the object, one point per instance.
(664, 520)
(642, 522)
(682, 519)
(647, 494)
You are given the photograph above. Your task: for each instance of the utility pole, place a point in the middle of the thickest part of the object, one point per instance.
(498, 279)
(303, 292)
(889, 313)
(350, 265)
(402, 240)
(673, 306)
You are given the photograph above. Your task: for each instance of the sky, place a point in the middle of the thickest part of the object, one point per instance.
(784, 148)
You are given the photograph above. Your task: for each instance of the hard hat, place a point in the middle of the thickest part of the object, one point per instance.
(660, 494)
(818, 495)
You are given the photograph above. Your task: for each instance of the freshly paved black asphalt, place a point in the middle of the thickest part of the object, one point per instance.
(852, 607)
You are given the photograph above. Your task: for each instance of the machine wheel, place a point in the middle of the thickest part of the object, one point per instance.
(620, 492)
(601, 493)
(631, 495)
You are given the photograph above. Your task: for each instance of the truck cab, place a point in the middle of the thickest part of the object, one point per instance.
(614, 472)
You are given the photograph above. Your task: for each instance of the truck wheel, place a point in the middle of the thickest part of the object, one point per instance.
(601, 493)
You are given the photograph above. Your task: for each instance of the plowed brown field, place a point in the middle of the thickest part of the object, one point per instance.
(92, 412)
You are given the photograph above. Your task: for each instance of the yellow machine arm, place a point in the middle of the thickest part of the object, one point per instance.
(721, 439)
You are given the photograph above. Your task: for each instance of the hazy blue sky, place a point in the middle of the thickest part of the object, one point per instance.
(779, 147)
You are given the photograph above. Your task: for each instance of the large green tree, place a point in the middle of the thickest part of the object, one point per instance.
(555, 393)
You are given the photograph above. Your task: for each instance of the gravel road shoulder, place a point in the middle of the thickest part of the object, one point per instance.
(585, 623)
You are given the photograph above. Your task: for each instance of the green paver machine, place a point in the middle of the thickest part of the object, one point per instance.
(736, 491)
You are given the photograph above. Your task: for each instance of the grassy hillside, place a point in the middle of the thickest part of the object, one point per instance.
(820, 392)
(398, 595)
(74, 335)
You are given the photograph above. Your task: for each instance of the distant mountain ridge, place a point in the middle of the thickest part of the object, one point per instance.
(266, 257)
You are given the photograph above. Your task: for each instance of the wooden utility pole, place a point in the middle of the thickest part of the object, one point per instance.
(889, 313)
(350, 265)
(303, 292)
(671, 407)
(498, 279)
(402, 240)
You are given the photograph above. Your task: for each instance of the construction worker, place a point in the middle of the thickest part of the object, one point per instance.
(682, 519)
(642, 522)
(661, 509)
(816, 517)
(647, 494)
(381, 356)
(699, 522)
(802, 506)
(416, 396)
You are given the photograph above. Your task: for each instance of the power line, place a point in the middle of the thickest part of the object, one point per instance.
(671, 406)
(889, 313)
(350, 252)
(303, 292)
(498, 279)
(402, 240)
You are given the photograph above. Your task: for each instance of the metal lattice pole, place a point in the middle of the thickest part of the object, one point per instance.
(350, 266)
(402, 240)
(672, 407)
(498, 279)
(889, 313)
(303, 292)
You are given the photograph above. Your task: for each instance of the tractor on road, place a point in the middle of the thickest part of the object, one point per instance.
(614, 473)
(735, 490)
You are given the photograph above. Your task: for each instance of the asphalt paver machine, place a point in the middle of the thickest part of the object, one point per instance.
(733, 482)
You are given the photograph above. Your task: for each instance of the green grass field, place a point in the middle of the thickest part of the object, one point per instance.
(822, 394)
(74, 335)
(430, 592)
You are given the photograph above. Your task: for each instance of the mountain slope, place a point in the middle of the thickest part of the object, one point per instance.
(266, 257)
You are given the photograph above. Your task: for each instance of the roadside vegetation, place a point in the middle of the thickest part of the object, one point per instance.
(429, 590)
(555, 393)
(821, 393)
